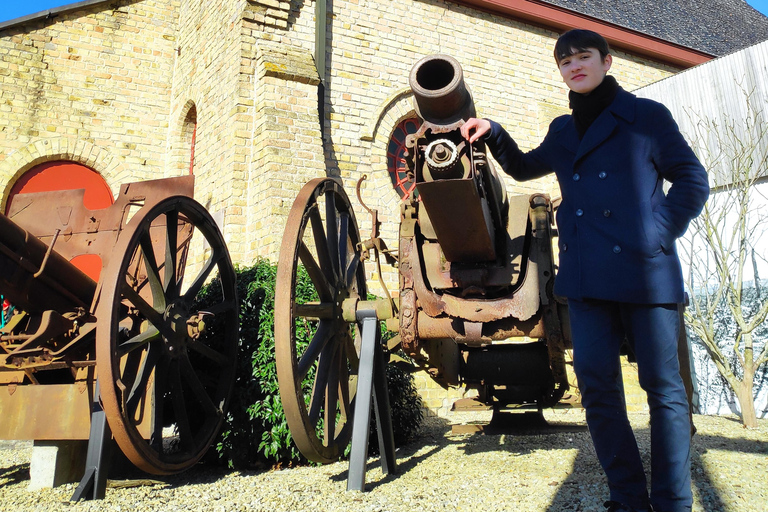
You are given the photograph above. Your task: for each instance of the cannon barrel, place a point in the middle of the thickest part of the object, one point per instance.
(441, 97)
(36, 278)
(463, 197)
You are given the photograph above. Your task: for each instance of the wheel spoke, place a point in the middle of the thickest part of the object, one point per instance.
(320, 385)
(320, 311)
(138, 341)
(350, 351)
(199, 281)
(351, 274)
(222, 307)
(319, 340)
(204, 350)
(332, 231)
(154, 318)
(316, 274)
(331, 399)
(139, 388)
(345, 409)
(189, 375)
(156, 439)
(321, 243)
(179, 408)
(153, 272)
(170, 284)
(343, 234)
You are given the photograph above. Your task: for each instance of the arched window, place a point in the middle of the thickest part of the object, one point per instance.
(189, 135)
(396, 161)
(66, 175)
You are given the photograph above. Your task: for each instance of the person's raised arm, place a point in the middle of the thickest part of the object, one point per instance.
(521, 166)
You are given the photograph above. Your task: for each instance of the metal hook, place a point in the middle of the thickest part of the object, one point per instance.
(359, 198)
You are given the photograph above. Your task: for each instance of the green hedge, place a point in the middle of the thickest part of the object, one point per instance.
(255, 432)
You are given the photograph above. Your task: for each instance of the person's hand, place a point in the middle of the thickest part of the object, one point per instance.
(475, 128)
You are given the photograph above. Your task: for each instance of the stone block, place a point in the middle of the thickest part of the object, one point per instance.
(56, 463)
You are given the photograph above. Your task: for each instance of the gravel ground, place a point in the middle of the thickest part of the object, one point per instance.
(520, 470)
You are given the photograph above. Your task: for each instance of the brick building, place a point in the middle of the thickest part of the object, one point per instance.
(233, 90)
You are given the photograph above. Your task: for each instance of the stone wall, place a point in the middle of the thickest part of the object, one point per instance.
(96, 79)
(126, 77)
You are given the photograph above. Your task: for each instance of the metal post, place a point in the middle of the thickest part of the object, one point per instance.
(93, 486)
(371, 389)
(383, 411)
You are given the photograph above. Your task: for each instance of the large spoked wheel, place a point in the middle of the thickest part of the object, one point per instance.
(317, 351)
(166, 355)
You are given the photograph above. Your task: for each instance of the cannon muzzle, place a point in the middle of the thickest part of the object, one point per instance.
(463, 200)
(440, 95)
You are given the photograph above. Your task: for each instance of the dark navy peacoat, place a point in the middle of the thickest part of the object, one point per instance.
(617, 227)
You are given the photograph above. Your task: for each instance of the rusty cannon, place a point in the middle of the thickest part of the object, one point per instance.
(476, 272)
(129, 352)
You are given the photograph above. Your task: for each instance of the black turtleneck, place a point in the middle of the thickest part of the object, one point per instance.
(587, 107)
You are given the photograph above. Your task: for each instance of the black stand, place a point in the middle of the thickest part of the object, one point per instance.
(93, 486)
(371, 383)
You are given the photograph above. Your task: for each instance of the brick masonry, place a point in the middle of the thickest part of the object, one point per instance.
(121, 86)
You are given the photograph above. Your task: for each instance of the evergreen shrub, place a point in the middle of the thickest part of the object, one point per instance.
(255, 431)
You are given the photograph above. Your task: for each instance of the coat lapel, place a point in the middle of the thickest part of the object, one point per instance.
(602, 128)
(567, 135)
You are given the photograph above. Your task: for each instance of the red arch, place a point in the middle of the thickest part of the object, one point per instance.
(65, 175)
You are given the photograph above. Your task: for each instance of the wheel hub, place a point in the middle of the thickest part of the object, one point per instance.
(341, 295)
(177, 316)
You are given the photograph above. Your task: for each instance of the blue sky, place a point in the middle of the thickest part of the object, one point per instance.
(10, 9)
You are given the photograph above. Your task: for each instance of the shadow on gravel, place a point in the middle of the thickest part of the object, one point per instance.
(523, 433)
(405, 455)
(123, 474)
(703, 481)
(702, 477)
(14, 474)
(520, 436)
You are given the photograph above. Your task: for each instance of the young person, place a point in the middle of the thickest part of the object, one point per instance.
(618, 265)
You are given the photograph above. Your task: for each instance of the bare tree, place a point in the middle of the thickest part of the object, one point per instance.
(728, 308)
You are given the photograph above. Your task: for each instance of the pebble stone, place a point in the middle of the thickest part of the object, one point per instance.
(518, 470)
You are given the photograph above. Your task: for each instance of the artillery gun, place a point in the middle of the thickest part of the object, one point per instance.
(134, 340)
(476, 274)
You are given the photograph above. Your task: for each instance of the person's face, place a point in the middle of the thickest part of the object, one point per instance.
(583, 71)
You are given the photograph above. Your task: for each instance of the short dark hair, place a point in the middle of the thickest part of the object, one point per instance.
(580, 40)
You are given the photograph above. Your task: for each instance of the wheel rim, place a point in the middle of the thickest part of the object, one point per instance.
(312, 339)
(156, 351)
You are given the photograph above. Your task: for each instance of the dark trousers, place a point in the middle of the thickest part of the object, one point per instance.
(598, 330)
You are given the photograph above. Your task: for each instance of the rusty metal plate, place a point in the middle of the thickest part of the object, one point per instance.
(461, 219)
(83, 231)
(50, 412)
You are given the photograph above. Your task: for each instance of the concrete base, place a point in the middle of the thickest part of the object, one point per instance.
(56, 463)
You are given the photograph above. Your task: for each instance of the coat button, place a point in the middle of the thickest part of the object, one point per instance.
(606, 213)
(579, 212)
(616, 249)
(576, 177)
(565, 247)
(602, 175)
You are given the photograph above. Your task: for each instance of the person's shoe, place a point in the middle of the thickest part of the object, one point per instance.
(615, 506)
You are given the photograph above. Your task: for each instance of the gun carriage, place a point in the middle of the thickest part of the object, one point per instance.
(164, 365)
(476, 273)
